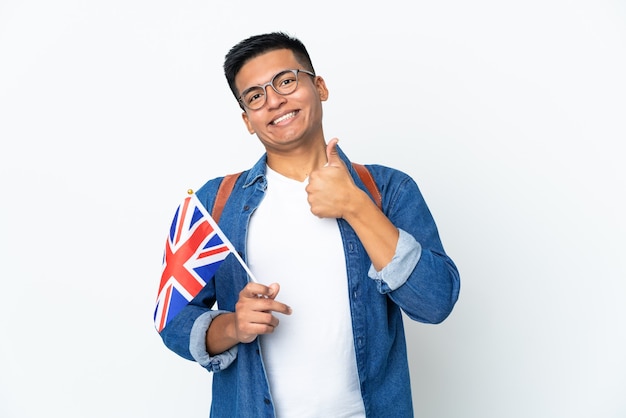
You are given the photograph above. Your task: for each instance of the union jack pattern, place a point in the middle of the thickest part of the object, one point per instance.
(194, 249)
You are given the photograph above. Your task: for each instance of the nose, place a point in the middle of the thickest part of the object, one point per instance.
(273, 99)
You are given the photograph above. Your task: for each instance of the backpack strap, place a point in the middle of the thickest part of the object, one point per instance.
(368, 180)
(228, 182)
(223, 192)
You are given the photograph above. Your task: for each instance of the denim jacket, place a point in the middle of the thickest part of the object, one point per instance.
(421, 280)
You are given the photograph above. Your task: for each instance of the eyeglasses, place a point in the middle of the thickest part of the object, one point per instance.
(283, 83)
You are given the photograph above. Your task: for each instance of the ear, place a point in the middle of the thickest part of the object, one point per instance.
(322, 90)
(246, 121)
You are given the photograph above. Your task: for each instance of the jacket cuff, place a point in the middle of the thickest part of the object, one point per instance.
(397, 272)
(197, 344)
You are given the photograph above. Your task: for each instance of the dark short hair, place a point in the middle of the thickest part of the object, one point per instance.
(260, 44)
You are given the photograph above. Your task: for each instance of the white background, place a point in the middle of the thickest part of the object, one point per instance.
(510, 116)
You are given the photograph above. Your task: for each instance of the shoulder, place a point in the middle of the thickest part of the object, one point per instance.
(209, 188)
(384, 176)
(208, 192)
(397, 188)
(388, 177)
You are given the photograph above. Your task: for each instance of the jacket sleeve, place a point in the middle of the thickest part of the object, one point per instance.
(421, 279)
(185, 334)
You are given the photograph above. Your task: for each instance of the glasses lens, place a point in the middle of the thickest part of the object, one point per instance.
(285, 82)
(254, 97)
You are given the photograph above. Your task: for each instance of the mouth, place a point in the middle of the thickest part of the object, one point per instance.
(284, 117)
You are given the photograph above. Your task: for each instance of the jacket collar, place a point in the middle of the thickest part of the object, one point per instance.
(257, 172)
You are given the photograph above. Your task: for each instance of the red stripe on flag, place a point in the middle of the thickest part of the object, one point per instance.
(175, 261)
(166, 305)
(181, 218)
(212, 252)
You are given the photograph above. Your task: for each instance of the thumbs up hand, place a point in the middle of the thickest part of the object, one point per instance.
(331, 188)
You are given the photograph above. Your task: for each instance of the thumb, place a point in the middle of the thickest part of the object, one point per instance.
(274, 289)
(331, 152)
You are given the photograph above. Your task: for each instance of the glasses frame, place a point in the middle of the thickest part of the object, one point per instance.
(271, 84)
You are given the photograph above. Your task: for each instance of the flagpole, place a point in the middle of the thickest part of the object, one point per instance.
(233, 250)
(245, 267)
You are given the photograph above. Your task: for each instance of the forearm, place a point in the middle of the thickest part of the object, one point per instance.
(375, 231)
(421, 279)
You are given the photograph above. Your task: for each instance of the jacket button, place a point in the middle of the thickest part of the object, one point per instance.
(267, 401)
(246, 207)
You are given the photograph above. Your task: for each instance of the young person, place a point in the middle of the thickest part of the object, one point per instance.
(321, 333)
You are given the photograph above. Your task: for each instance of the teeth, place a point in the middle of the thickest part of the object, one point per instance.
(284, 117)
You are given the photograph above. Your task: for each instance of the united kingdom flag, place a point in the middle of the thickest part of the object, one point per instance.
(194, 249)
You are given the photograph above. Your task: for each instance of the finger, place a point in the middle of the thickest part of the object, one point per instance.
(268, 304)
(281, 308)
(258, 297)
(263, 326)
(256, 306)
(331, 153)
(263, 318)
(255, 323)
(256, 290)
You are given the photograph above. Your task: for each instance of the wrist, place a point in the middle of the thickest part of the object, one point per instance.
(221, 334)
(358, 204)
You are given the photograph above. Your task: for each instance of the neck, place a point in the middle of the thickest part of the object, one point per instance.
(298, 164)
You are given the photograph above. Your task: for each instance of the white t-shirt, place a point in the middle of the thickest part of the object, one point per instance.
(309, 359)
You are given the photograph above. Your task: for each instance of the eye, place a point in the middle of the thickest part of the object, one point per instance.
(253, 95)
(285, 81)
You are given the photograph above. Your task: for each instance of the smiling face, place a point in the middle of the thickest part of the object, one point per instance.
(284, 123)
